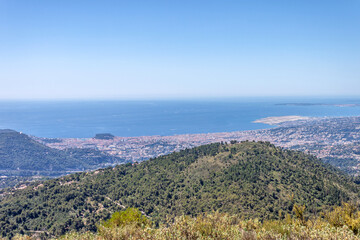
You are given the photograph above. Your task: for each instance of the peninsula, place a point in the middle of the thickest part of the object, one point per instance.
(281, 119)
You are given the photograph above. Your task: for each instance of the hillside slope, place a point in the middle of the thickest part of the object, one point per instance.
(22, 156)
(19, 152)
(250, 179)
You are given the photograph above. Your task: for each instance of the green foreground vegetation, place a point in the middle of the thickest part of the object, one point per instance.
(339, 223)
(248, 179)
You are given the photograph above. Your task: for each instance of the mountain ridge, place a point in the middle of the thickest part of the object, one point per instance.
(20, 155)
(256, 180)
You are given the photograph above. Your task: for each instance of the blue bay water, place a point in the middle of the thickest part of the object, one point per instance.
(80, 119)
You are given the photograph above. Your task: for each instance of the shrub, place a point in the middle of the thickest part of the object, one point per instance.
(131, 216)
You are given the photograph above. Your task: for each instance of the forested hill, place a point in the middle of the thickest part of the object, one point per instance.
(21, 155)
(250, 179)
(19, 152)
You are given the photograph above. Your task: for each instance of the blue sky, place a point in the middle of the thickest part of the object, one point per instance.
(178, 49)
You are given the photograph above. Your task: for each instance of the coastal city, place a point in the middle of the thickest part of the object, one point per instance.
(335, 140)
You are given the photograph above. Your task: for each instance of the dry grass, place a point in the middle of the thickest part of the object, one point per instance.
(225, 227)
(340, 223)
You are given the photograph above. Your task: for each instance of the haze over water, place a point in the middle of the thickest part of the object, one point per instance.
(82, 119)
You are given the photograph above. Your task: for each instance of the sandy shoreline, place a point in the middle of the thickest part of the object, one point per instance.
(277, 120)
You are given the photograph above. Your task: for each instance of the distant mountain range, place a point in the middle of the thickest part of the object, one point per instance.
(255, 180)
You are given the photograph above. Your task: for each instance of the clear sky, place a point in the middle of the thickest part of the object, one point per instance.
(178, 49)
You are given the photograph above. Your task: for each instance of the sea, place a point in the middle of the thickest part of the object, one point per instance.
(84, 119)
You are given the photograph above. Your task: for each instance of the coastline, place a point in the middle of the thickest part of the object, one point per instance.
(280, 119)
(323, 137)
(146, 118)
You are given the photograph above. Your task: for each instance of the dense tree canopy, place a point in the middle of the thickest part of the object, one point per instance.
(22, 156)
(248, 178)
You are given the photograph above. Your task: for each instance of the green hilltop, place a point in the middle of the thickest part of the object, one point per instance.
(254, 180)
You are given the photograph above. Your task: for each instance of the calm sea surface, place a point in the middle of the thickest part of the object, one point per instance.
(82, 119)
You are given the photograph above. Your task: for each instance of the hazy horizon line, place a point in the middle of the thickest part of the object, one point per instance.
(183, 98)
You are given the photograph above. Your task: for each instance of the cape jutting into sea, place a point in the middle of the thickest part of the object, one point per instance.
(81, 119)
